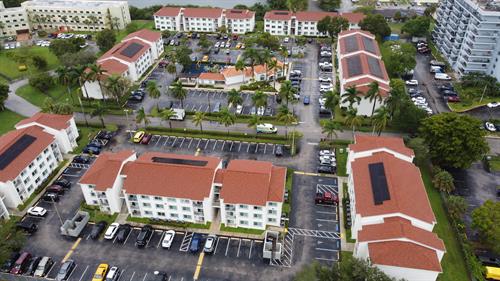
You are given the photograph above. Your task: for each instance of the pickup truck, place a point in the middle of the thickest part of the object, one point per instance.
(326, 198)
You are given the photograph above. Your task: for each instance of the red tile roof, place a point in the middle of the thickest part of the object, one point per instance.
(118, 48)
(239, 14)
(404, 183)
(313, 16)
(211, 76)
(55, 121)
(113, 66)
(396, 228)
(253, 183)
(23, 159)
(202, 12)
(146, 34)
(168, 12)
(146, 177)
(395, 253)
(365, 67)
(354, 31)
(219, 176)
(363, 87)
(353, 17)
(278, 15)
(367, 142)
(105, 169)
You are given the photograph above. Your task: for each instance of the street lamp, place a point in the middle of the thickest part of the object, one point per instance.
(128, 123)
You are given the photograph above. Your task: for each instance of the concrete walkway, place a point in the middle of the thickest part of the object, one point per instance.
(344, 245)
(18, 104)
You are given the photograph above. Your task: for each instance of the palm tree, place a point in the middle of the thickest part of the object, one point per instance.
(352, 119)
(284, 53)
(332, 101)
(226, 118)
(330, 128)
(351, 95)
(82, 77)
(171, 68)
(142, 117)
(64, 19)
(117, 86)
(254, 122)
(87, 22)
(264, 58)
(234, 98)
(93, 21)
(76, 19)
(253, 55)
(380, 119)
(287, 117)
(287, 92)
(66, 77)
(166, 114)
(179, 92)
(395, 100)
(374, 94)
(95, 74)
(259, 99)
(153, 91)
(99, 110)
(240, 65)
(272, 65)
(198, 118)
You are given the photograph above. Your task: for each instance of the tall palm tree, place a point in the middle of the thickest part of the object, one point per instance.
(287, 92)
(284, 53)
(254, 122)
(117, 86)
(352, 119)
(142, 117)
(171, 68)
(332, 101)
(198, 118)
(95, 73)
(264, 58)
(259, 99)
(380, 119)
(253, 55)
(64, 19)
(234, 98)
(66, 77)
(153, 91)
(374, 95)
(99, 110)
(179, 92)
(272, 65)
(226, 118)
(87, 22)
(82, 77)
(395, 100)
(351, 95)
(166, 114)
(286, 116)
(93, 21)
(330, 128)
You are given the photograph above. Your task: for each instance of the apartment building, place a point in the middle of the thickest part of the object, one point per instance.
(360, 64)
(392, 220)
(229, 76)
(186, 188)
(129, 59)
(84, 15)
(204, 19)
(467, 33)
(14, 20)
(277, 22)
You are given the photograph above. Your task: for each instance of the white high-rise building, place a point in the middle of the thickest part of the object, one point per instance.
(467, 33)
(13, 20)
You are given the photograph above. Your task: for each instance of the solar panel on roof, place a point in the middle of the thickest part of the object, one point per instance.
(281, 13)
(374, 66)
(237, 12)
(379, 183)
(354, 67)
(369, 45)
(351, 44)
(177, 161)
(15, 149)
(131, 50)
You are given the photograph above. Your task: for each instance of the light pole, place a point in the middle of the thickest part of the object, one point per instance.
(84, 116)
(57, 211)
(128, 123)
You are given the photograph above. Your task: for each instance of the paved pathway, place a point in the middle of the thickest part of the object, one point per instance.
(18, 104)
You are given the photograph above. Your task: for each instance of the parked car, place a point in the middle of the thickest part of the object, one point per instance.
(146, 139)
(55, 189)
(27, 226)
(123, 232)
(113, 274)
(81, 159)
(239, 109)
(326, 198)
(97, 229)
(490, 127)
(195, 243)
(44, 266)
(210, 244)
(65, 270)
(10, 262)
(442, 76)
(412, 82)
(326, 153)
(105, 135)
(138, 136)
(453, 98)
(21, 264)
(168, 238)
(32, 266)
(37, 211)
(63, 182)
(50, 197)
(89, 149)
(100, 273)
(111, 231)
(306, 100)
(326, 169)
(493, 104)
(279, 151)
(144, 236)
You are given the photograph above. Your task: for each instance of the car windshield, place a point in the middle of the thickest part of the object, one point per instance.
(98, 276)
(168, 236)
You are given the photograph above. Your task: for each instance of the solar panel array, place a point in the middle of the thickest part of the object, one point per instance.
(351, 44)
(177, 161)
(369, 45)
(374, 66)
(354, 67)
(379, 183)
(236, 12)
(281, 13)
(11, 153)
(131, 50)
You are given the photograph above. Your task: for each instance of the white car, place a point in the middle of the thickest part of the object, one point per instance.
(6, 46)
(493, 104)
(325, 79)
(326, 153)
(228, 44)
(490, 127)
(322, 101)
(37, 211)
(442, 76)
(168, 239)
(329, 158)
(286, 40)
(217, 44)
(412, 82)
(260, 110)
(111, 231)
(239, 109)
(325, 64)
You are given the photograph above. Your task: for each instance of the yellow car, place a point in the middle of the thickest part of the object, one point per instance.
(100, 273)
(238, 46)
(138, 136)
(204, 59)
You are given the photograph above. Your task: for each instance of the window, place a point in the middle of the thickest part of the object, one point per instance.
(146, 204)
(144, 197)
(271, 220)
(184, 201)
(161, 214)
(148, 212)
(174, 215)
(243, 206)
(257, 208)
(244, 222)
(257, 223)
(273, 204)
(273, 212)
(186, 209)
(171, 200)
(172, 207)
(257, 216)
(157, 198)
(159, 206)
(243, 214)
(187, 217)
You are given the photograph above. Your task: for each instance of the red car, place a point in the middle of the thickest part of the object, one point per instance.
(56, 189)
(326, 198)
(146, 139)
(453, 99)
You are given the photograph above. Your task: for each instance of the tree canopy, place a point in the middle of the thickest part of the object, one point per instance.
(332, 25)
(105, 39)
(59, 47)
(418, 26)
(454, 140)
(486, 220)
(4, 94)
(329, 5)
(399, 58)
(376, 24)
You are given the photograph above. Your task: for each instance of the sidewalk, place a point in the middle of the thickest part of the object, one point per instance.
(344, 245)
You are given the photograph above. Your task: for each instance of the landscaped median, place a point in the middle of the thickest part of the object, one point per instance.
(96, 215)
(464, 107)
(175, 224)
(340, 147)
(251, 231)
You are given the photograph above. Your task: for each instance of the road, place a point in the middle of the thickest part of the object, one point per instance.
(18, 104)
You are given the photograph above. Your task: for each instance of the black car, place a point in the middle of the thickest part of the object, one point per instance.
(27, 226)
(65, 270)
(89, 149)
(123, 232)
(279, 151)
(97, 229)
(50, 197)
(32, 266)
(158, 276)
(105, 135)
(63, 182)
(448, 93)
(95, 143)
(81, 159)
(487, 258)
(325, 169)
(9, 263)
(144, 236)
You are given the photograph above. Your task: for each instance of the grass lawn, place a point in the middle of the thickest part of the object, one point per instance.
(138, 24)
(341, 161)
(9, 119)
(288, 186)
(34, 96)
(96, 215)
(241, 230)
(461, 106)
(453, 263)
(168, 223)
(9, 65)
(396, 27)
(494, 163)
(347, 230)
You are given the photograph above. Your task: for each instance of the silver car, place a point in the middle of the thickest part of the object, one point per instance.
(43, 267)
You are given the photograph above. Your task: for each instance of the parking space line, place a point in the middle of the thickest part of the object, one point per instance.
(239, 246)
(198, 266)
(132, 277)
(198, 144)
(248, 147)
(158, 141)
(250, 253)
(265, 146)
(223, 143)
(174, 141)
(256, 147)
(239, 148)
(151, 237)
(189, 145)
(182, 142)
(70, 252)
(324, 259)
(206, 144)
(161, 238)
(85, 271)
(166, 141)
(323, 212)
(326, 220)
(274, 147)
(231, 147)
(72, 271)
(127, 237)
(52, 267)
(227, 247)
(215, 144)
(169, 277)
(121, 274)
(144, 278)
(325, 249)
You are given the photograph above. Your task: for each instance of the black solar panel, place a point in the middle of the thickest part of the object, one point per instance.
(177, 161)
(379, 183)
(15, 149)
(351, 44)
(369, 45)
(236, 12)
(374, 66)
(131, 50)
(281, 13)
(354, 67)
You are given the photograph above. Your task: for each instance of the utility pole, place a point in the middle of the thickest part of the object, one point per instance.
(57, 211)
(484, 91)
(84, 115)
(128, 123)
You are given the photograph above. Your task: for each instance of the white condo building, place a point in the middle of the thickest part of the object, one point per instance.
(392, 220)
(29, 154)
(186, 188)
(204, 19)
(467, 33)
(277, 22)
(14, 20)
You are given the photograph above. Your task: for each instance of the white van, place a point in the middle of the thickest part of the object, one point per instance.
(179, 114)
(442, 76)
(266, 128)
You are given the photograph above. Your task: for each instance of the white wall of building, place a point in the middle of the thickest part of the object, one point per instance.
(410, 274)
(240, 26)
(168, 23)
(251, 216)
(4, 213)
(13, 19)
(278, 27)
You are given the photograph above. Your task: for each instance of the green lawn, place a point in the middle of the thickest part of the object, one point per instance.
(10, 65)
(396, 27)
(138, 24)
(288, 186)
(9, 119)
(35, 97)
(169, 223)
(462, 106)
(241, 230)
(341, 160)
(453, 263)
(494, 163)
